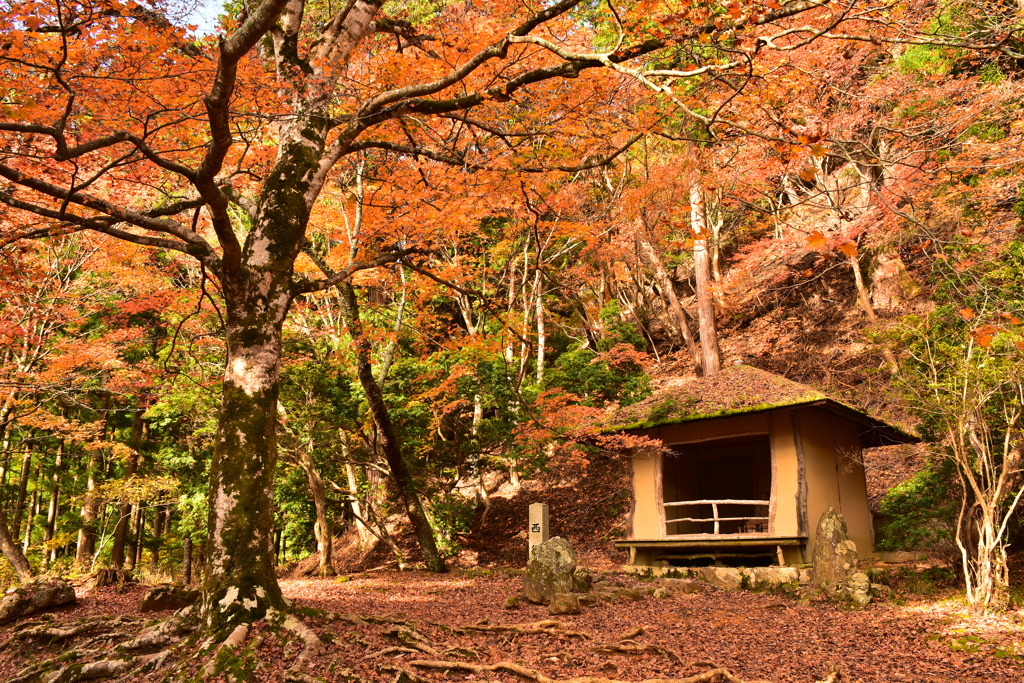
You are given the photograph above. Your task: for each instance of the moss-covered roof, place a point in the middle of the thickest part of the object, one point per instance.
(738, 390)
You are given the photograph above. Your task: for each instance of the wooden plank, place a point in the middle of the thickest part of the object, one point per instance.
(712, 519)
(740, 540)
(725, 501)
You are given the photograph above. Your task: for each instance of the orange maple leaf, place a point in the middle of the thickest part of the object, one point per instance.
(849, 248)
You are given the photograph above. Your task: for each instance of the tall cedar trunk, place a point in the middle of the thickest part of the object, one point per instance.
(710, 356)
(388, 437)
(117, 555)
(53, 509)
(91, 505)
(158, 534)
(139, 526)
(19, 506)
(33, 512)
(322, 527)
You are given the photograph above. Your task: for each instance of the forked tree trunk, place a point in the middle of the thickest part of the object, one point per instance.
(322, 526)
(12, 552)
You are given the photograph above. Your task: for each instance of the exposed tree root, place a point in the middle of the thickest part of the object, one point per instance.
(312, 645)
(631, 647)
(392, 651)
(412, 638)
(234, 641)
(44, 629)
(548, 627)
(715, 675)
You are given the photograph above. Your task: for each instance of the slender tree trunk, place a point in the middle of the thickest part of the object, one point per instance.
(388, 437)
(140, 533)
(186, 560)
(117, 554)
(710, 356)
(158, 534)
(19, 506)
(33, 511)
(365, 535)
(53, 510)
(542, 336)
(91, 506)
(322, 527)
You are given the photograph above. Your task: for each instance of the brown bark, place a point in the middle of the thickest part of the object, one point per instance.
(186, 561)
(322, 527)
(33, 511)
(675, 309)
(53, 508)
(19, 506)
(140, 532)
(12, 552)
(710, 355)
(388, 436)
(117, 554)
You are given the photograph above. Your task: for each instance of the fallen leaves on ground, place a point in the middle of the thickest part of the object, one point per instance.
(377, 623)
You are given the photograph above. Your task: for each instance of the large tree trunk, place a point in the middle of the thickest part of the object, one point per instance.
(240, 584)
(388, 437)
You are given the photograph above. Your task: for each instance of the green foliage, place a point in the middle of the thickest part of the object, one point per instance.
(986, 132)
(600, 378)
(924, 60)
(617, 330)
(453, 516)
(922, 510)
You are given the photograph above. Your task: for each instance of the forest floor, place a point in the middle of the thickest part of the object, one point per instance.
(408, 616)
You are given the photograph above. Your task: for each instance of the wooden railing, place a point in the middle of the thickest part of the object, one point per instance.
(714, 512)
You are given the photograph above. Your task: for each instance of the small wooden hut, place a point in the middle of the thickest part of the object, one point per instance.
(749, 462)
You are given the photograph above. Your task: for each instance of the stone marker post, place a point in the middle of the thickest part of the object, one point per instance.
(538, 525)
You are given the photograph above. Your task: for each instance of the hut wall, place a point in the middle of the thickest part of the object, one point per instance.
(835, 475)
